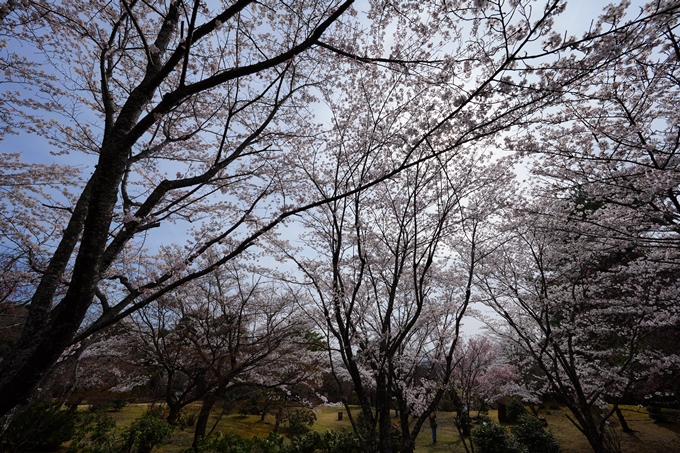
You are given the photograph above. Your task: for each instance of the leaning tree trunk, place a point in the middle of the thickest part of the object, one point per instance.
(203, 417)
(50, 328)
(590, 428)
(622, 420)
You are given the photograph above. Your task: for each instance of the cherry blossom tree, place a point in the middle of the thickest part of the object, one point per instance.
(588, 281)
(584, 312)
(198, 117)
(479, 377)
(612, 151)
(585, 305)
(390, 270)
(149, 75)
(225, 330)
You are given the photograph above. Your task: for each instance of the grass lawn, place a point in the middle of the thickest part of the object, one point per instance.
(649, 437)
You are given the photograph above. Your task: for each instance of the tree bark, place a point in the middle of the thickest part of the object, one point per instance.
(622, 420)
(383, 402)
(43, 341)
(174, 413)
(203, 417)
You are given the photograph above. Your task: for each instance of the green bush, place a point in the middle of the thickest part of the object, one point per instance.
(189, 419)
(44, 426)
(529, 433)
(490, 437)
(96, 433)
(312, 442)
(233, 443)
(340, 442)
(309, 443)
(118, 405)
(514, 410)
(327, 442)
(482, 410)
(146, 432)
(299, 422)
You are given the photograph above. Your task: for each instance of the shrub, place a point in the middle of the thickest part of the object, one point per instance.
(96, 433)
(299, 422)
(309, 443)
(514, 410)
(361, 423)
(482, 410)
(529, 433)
(341, 442)
(656, 414)
(490, 437)
(44, 426)
(328, 442)
(101, 406)
(146, 432)
(233, 443)
(190, 419)
(118, 405)
(312, 442)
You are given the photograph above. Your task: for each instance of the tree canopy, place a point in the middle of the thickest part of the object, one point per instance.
(389, 130)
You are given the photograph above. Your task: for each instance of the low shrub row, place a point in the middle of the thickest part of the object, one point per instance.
(46, 426)
(528, 436)
(312, 442)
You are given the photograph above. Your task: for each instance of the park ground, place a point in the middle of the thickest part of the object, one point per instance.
(648, 436)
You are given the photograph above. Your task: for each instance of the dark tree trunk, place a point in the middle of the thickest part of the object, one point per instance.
(203, 417)
(263, 413)
(588, 425)
(174, 411)
(50, 329)
(383, 399)
(462, 420)
(407, 438)
(624, 424)
(279, 415)
(47, 333)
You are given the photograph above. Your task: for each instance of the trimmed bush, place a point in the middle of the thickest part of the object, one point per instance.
(529, 433)
(118, 405)
(299, 422)
(146, 432)
(656, 414)
(233, 443)
(327, 442)
(490, 437)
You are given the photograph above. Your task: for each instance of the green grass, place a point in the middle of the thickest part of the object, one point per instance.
(649, 437)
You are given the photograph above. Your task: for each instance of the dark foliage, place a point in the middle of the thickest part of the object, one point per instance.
(529, 433)
(44, 427)
(490, 437)
(514, 410)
